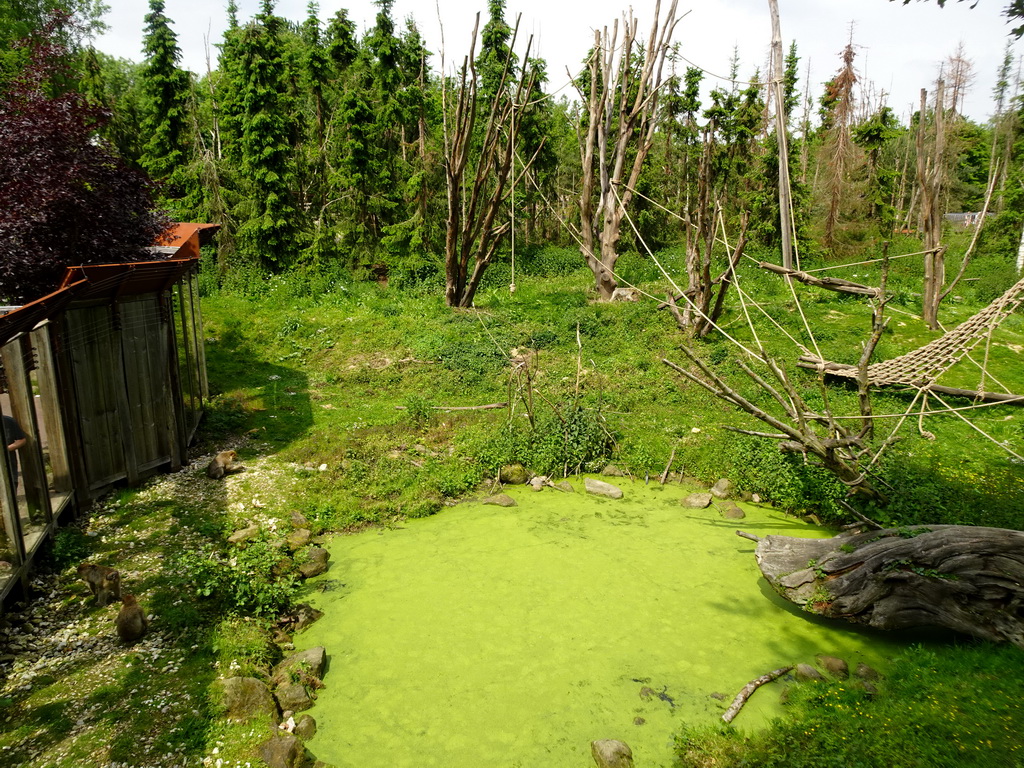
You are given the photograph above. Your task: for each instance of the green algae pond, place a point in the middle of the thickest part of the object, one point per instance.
(491, 637)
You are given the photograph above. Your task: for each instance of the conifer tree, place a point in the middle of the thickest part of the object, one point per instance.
(166, 88)
(267, 215)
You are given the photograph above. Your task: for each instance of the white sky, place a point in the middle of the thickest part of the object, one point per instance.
(899, 47)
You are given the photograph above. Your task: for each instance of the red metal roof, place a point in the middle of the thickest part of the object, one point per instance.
(92, 281)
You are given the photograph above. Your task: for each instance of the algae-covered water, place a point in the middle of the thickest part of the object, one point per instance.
(490, 637)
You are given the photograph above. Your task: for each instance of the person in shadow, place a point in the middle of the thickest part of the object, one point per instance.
(14, 438)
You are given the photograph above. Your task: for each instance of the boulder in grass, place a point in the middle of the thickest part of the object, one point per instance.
(283, 751)
(246, 698)
(513, 474)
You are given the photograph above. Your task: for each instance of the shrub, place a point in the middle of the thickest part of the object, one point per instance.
(70, 545)
(244, 580)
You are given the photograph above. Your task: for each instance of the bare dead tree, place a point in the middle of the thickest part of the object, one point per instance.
(479, 172)
(815, 434)
(959, 77)
(839, 146)
(616, 133)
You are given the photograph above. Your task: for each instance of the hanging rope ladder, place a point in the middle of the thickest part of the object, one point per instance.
(923, 366)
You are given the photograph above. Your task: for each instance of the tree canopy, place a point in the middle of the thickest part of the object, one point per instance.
(67, 198)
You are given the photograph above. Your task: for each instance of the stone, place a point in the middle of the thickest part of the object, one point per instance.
(834, 666)
(537, 483)
(611, 753)
(298, 520)
(601, 488)
(697, 501)
(722, 489)
(283, 751)
(311, 662)
(305, 614)
(513, 474)
(246, 698)
(733, 512)
(612, 471)
(305, 728)
(756, 498)
(293, 696)
(625, 294)
(805, 672)
(500, 500)
(244, 534)
(864, 672)
(298, 539)
(315, 562)
(565, 485)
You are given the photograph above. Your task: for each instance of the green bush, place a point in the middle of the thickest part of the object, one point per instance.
(70, 545)
(243, 580)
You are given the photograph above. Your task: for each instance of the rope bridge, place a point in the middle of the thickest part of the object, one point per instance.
(921, 367)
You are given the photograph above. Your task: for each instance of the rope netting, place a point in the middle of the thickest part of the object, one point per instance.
(925, 364)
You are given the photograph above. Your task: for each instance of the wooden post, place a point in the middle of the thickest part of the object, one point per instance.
(33, 473)
(785, 192)
(52, 407)
(71, 414)
(929, 175)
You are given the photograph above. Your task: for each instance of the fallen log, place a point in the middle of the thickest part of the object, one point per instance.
(748, 689)
(966, 578)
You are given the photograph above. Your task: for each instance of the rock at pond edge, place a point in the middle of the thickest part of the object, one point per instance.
(500, 500)
(611, 753)
(697, 501)
(601, 488)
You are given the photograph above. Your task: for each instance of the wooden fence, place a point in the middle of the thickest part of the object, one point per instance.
(107, 378)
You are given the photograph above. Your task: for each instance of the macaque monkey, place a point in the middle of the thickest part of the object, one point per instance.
(223, 464)
(131, 620)
(105, 582)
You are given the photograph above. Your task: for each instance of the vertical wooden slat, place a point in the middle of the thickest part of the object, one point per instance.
(11, 541)
(173, 424)
(64, 375)
(204, 384)
(52, 406)
(118, 373)
(33, 473)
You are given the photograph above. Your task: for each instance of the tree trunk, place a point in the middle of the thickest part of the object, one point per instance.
(959, 577)
(620, 122)
(785, 195)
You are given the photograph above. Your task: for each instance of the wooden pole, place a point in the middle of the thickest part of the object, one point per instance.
(785, 192)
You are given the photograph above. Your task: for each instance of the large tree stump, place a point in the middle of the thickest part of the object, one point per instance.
(965, 578)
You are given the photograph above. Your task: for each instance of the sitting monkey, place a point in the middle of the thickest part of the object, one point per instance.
(104, 581)
(223, 464)
(131, 620)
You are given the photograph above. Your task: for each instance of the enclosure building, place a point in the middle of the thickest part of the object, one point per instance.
(102, 381)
